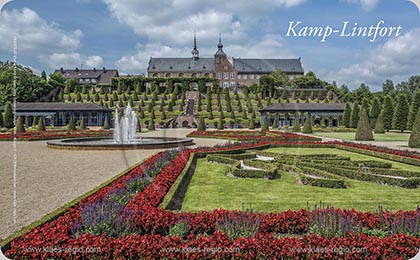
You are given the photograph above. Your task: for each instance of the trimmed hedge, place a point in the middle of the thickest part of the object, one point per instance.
(325, 180)
(387, 156)
(410, 183)
(368, 164)
(266, 171)
(385, 171)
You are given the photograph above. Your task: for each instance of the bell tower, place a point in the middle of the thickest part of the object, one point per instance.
(194, 52)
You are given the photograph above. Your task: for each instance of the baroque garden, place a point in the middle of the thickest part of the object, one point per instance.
(299, 163)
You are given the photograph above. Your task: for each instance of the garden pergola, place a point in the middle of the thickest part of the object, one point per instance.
(287, 113)
(93, 114)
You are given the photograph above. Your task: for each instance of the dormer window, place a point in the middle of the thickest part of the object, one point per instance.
(153, 67)
(170, 67)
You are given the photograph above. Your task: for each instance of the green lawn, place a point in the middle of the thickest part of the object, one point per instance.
(378, 137)
(210, 188)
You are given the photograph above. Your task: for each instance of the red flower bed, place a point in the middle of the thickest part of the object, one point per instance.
(55, 239)
(252, 135)
(53, 134)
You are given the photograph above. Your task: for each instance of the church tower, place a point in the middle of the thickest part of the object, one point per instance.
(194, 52)
(220, 55)
(223, 69)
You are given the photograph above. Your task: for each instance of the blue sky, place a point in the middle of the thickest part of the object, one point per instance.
(124, 34)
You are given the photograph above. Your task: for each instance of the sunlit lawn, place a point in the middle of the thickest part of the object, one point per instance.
(210, 188)
(378, 137)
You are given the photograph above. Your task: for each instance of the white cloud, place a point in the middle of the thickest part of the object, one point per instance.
(169, 26)
(396, 59)
(34, 34)
(72, 60)
(367, 5)
(94, 61)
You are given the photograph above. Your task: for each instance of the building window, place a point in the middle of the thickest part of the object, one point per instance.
(232, 75)
(258, 76)
(93, 80)
(245, 76)
(219, 75)
(80, 80)
(181, 75)
(226, 75)
(168, 75)
(239, 76)
(225, 84)
(225, 67)
(193, 75)
(155, 75)
(206, 75)
(232, 83)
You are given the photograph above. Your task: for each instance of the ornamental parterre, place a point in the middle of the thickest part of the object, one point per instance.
(124, 221)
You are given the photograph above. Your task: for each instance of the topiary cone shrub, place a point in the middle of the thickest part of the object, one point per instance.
(19, 125)
(41, 124)
(151, 126)
(414, 141)
(106, 124)
(251, 124)
(220, 125)
(201, 125)
(264, 127)
(364, 132)
(379, 127)
(82, 124)
(307, 127)
(296, 126)
(71, 125)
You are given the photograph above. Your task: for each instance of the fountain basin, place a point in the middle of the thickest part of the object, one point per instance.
(101, 143)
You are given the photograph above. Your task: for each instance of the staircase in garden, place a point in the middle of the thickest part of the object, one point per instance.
(190, 107)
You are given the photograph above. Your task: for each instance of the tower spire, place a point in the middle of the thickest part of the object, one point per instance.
(194, 52)
(220, 45)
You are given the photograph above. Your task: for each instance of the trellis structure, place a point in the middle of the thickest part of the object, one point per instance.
(287, 113)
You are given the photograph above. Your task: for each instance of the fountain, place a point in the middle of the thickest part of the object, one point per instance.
(125, 129)
(124, 137)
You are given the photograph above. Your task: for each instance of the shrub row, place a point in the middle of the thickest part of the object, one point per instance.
(368, 164)
(325, 180)
(410, 183)
(382, 171)
(387, 156)
(268, 171)
(265, 172)
(242, 156)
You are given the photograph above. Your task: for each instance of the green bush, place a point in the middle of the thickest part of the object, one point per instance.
(19, 125)
(71, 125)
(251, 124)
(151, 125)
(82, 125)
(8, 117)
(307, 127)
(106, 124)
(201, 124)
(414, 141)
(265, 124)
(41, 124)
(180, 229)
(364, 132)
(379, 127)
(296, 126)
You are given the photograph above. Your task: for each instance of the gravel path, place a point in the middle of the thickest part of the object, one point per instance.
(49, 178)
